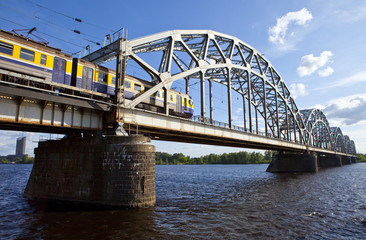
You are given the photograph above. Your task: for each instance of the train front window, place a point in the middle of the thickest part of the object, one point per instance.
(43, 59)
(113, 81)
(6, 48)
(26, 54)
(102, 77)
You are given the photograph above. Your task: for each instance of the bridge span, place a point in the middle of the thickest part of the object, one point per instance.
(271, 119)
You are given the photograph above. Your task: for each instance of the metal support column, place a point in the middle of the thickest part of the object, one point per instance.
(277, 117)
(203, 97)
(19, 103)
(295, 129)
(187, 85)
(211, 101)
(166, 101)
(229, 98)
(288, 125)
(256, 119)
(244, 113)
(250, 105)
(265, 107)
(120, 78)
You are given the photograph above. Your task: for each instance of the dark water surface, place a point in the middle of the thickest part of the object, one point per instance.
(204, 202)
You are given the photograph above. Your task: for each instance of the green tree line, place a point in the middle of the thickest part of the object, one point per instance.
(226, 158)
(361, 158)
(24, 160)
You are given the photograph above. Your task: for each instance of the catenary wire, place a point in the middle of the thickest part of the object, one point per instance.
(56, 25)
(73, 18)
(42, 32)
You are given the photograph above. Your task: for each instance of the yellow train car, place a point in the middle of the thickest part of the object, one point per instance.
(24, 56)
(42, 63)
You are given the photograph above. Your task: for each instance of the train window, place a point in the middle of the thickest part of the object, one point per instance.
(102, 77)
(171, 97)
(113, 81)
(6, 48)
(137, 87)
(127, 84)
(27, 54)
(43, 59)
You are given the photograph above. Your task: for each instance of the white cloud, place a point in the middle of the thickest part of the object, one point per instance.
(325, 72)
(353, 15)
(277, 34)
(298, 90)
(309, 64)
(348, 110)
(318, 106)
(355, 78)
(358, 77)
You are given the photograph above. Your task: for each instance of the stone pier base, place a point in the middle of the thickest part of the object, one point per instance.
(293, 162)
(329, 160)
(110, 171)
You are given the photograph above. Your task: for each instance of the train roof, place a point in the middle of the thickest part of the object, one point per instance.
(35, 44)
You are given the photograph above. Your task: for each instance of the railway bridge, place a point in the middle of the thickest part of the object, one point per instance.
(107, 157)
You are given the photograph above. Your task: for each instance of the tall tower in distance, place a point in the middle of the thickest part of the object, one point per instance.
(20, 148)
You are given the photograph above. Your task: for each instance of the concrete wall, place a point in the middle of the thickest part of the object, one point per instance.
(111, 171)
(329, 160)
(293, 162)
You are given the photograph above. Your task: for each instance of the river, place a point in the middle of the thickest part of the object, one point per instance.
(203, 202)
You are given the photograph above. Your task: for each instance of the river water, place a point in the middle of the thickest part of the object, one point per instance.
(204, 202)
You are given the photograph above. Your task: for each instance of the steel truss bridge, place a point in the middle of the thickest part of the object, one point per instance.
(185, 55)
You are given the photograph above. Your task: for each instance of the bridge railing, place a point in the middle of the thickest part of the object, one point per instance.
(208, 121)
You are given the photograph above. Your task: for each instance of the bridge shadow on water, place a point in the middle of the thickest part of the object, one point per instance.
(53, 220)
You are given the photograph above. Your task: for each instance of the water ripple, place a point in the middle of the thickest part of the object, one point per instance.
(204, 202)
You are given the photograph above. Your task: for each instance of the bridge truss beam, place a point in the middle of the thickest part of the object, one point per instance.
(210, 56)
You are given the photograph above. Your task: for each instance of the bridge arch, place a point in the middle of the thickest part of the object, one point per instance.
(318, 130)
(215, 57)
(338, 139)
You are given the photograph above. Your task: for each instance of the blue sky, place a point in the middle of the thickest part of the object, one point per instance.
(318, 47)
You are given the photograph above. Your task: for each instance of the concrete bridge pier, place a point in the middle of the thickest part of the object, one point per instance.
(346, 160)
(326, 160)
(293, 162)
(112, 171)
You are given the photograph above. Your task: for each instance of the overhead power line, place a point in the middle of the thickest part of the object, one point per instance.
(73, 18)
(56, 25)
(41, 32)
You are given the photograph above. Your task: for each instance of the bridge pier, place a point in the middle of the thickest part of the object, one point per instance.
(110, 171)
(346, 160)
(329, 160)
(293, 162)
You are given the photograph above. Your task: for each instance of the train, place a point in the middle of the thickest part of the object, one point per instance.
(51, 67)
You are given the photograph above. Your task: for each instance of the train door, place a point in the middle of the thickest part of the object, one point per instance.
(87, 78)
(59, 70)
(179, 104)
